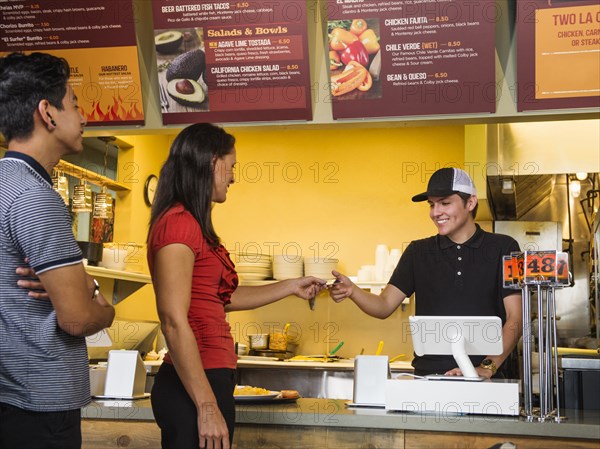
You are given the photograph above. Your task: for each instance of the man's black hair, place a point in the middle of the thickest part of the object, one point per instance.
(25, 80)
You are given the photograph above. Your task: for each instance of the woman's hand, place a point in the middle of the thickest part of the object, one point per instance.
(308, 287)
(341, 289)
(212, 428)
(31, 282)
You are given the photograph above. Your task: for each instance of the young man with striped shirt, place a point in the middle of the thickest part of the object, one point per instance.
(44, 377)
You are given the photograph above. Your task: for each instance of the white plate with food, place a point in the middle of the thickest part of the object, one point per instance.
(248, 393)
(270, 397)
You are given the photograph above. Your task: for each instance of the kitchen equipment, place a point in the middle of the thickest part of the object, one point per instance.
(92, 251)
(581, 382)
(241, 349)
(314, 358)
(580, 351)
(269, 354)
(379, 348)
(130, 335)
(258, 341)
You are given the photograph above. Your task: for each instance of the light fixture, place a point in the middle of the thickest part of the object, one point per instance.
(82, 197)
(103, 207)
(103, 201)
(508, 186)
(582, 176)
(60, 183)
(575, 188)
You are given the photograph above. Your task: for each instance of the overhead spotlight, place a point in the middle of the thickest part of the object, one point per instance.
(575, 187)
(582, 176)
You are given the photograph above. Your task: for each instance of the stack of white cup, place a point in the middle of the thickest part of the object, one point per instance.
(382, 255)
(385, 264)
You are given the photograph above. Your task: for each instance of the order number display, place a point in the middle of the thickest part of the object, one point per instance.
(535, 267)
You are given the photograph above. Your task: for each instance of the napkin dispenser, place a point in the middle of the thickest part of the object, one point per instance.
(123, 378)
(370, 375)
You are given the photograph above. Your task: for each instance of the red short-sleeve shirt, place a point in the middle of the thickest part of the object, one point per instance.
(213, 281)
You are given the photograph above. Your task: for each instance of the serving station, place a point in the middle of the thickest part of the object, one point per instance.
(310, 423)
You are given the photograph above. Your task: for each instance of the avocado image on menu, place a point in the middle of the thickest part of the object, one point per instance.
(168, 42)
(189, 65)
(186, 92)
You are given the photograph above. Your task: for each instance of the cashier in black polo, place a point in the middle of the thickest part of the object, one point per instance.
(454, 279)
(457, 272)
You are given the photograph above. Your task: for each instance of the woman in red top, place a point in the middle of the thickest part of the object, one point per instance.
(195, 285)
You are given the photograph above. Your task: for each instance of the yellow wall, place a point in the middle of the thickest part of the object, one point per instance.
(338, 192)
(132, 215)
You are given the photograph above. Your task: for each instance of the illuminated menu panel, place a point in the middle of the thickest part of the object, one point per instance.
(97, 38)
(232, 61)
(558, 54)
(411, 57)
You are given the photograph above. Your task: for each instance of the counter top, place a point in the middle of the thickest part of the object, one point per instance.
(338, 365)
(334, 413)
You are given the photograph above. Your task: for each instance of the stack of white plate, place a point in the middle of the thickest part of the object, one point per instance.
(319, 267)
(252, 266)
(287, 267)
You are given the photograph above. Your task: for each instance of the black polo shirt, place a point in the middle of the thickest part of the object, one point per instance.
(451, 279)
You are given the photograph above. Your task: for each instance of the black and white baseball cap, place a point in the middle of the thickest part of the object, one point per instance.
(445, 182)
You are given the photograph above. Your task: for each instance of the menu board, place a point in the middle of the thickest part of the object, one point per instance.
(558, 54)
(234, 61)
(411, 57)
(97, 38)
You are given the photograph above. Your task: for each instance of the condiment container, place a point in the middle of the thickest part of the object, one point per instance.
(258, 341)
(278, 341)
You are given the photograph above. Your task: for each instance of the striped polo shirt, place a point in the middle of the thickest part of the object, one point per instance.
(42, 368)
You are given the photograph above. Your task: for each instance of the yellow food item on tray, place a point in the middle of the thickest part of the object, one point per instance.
(249, 391)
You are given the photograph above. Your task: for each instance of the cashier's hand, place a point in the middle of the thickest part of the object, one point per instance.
(341, 289)
(212, 428)
(308, 287)
(31, 282)
(481, 372)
